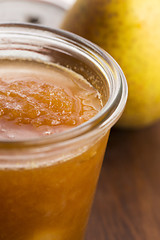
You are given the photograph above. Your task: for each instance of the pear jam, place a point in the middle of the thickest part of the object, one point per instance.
(38, 100)
(47, 195)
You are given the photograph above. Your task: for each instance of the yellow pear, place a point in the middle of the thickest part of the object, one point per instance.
(130, 31)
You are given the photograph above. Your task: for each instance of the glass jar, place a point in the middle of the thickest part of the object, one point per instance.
(47, 184)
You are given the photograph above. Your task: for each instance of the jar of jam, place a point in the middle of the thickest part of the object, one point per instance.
(60, 95)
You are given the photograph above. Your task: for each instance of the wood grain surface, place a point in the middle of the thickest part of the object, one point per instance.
(127, 201)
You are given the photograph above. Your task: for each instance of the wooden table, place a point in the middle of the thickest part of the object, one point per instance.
(127, 202)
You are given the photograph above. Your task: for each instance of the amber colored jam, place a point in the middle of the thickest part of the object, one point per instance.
(38, 99)
(47, 201)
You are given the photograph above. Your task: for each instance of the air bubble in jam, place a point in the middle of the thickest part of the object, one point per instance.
(35, 101)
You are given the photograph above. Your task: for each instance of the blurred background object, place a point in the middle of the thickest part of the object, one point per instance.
(44, 12)
(129, 31)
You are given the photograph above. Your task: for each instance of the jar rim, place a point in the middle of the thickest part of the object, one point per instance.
(110, 112)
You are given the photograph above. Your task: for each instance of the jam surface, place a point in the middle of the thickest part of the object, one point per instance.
(38, 100)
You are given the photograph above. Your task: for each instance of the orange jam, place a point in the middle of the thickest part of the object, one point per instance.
(38, 99)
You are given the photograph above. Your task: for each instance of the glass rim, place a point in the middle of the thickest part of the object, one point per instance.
(110, 112)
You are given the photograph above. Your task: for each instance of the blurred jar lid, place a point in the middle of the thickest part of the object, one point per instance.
(44, 12)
